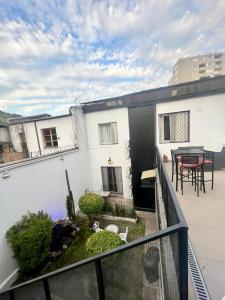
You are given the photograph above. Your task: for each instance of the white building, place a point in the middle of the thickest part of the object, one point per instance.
(42, 134)
(108, 150)
(4, 138)
(187, 114)
(116, 140)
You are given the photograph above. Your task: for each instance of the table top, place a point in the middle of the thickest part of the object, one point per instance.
(187, 151)
(113, 228)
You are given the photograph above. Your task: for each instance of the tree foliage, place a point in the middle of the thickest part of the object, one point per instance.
(91, 204)
(30, 240)
(102, 241)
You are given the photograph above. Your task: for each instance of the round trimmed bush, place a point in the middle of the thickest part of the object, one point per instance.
(102, 241)
(91, 204)
(30, 240)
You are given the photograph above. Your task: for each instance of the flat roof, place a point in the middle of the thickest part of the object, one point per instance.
(28, 118)
(35, 118)
(180, 91)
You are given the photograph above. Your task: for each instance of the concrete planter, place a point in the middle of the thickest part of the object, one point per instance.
(115, 218)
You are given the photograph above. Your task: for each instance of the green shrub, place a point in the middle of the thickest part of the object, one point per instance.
(91, 204)
(30, 240)
(119, 210)
(102, 241)
(108, 208)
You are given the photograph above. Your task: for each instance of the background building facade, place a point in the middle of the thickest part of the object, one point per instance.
(198, 67)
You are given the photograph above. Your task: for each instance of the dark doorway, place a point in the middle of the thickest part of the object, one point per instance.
(142, 152)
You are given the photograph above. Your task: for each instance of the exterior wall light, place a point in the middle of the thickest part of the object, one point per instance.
(109, 161)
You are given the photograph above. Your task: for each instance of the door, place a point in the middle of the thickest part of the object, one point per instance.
(112, 179)
(142, 152)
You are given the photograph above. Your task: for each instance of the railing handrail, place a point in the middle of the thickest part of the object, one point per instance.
(12, 164)
(172, 192)
(149, 238)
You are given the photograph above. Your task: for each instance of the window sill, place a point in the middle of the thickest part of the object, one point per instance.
(109, 144)
(168, 142)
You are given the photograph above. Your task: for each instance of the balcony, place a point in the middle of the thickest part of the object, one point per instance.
(206, 223)
(152, 267)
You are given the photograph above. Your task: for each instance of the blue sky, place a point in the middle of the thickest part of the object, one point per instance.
(54, 52)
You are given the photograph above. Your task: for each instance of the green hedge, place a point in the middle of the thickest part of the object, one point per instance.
(102, 241)
(30, 240)
(91, 204)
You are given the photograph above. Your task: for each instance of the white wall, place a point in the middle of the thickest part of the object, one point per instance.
(38, 184)
(207, 122)
(14, 134)
(99, 154)
(4, 134)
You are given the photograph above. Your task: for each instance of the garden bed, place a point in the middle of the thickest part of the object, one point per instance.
(76, 251)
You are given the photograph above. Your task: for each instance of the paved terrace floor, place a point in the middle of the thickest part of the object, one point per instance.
(205, 216)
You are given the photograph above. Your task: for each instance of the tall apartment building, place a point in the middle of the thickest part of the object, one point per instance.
(198, 67)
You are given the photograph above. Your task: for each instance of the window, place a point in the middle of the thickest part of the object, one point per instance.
(174, 127)
(50, 137)
(201, 65)
(112, 179)
(108, 133)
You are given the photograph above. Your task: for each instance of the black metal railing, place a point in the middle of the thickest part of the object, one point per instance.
(175, 271)
(131, 271)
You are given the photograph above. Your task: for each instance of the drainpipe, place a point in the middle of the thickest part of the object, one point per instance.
(38, 141)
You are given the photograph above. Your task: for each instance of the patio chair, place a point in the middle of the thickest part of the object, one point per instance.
(209, 162)
(173, 159)
(194, 164)
(123, 235)
(96, 227)
(173, 163)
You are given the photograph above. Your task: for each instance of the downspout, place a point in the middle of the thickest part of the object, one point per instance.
(38, 141)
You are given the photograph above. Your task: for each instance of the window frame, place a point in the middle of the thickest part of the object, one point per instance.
(162, 141)
(99, 133)
(52, 141)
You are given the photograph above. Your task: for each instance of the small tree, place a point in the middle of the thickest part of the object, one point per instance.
(91, 204)
(102, 241)
(70, 207)
(30, 240)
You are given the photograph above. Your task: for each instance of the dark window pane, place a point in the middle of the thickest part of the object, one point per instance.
(54, 137)
(47, 138)
(53, 131)
(55, 144)
(166, 128)
(46, 131)
(48, 144)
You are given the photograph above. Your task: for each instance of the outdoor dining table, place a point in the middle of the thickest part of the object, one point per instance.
(112, 227)
(180, 152)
